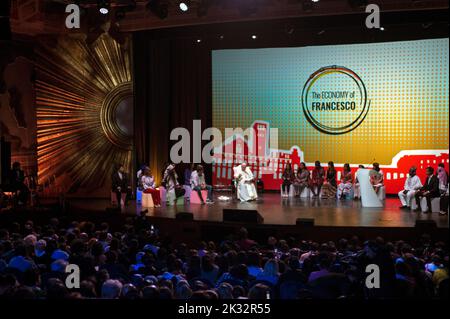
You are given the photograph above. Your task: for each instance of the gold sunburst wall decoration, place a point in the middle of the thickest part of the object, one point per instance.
(84, 113)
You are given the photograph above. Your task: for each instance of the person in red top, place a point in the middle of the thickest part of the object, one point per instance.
(317, 178)
(149, 186)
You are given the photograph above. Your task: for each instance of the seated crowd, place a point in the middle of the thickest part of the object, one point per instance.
(134, 262)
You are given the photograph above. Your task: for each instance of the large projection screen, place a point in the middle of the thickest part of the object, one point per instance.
(356, 103)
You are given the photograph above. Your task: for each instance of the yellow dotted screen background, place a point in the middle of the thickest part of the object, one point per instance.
(406, 82)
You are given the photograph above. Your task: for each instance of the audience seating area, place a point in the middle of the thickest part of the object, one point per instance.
(135, 262)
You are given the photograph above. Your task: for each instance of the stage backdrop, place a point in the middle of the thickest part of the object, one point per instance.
(358, 104)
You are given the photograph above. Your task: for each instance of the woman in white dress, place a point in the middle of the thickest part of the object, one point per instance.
(246, 189)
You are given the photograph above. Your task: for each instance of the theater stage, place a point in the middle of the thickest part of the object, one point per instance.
(278, 211)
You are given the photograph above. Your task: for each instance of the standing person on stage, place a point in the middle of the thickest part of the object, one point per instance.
(187, 174)
(429, 190)
(120, 185)
(442, 176)
(317, 178)
(288, 177)
(356, 189)
(329, 186)
(376, 177)
(198, 184)
(412, 185)
(17, 180)
(301, 180)
(170, 181)
(149, 186)
(346, 185)
(245, 183)
(169, 171)
(163, 173)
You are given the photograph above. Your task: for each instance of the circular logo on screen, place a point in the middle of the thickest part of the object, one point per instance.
(334, 100)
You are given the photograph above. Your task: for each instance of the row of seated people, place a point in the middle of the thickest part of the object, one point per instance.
(194, 181)
(434, 186)
(194, 178)
(324, 184)
(319, 182)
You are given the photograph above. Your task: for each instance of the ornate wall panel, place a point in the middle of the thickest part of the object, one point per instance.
(84, 113)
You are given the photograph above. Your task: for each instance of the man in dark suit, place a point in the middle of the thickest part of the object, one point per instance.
(120, 186)
(429, 190)
(17, 180)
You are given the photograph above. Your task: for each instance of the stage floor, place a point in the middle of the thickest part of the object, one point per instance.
(281, 211)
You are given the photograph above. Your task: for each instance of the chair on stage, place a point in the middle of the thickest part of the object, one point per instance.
(315, 189)
(147, 200)
(435, 204)
(169, 197)
(350, 194)
(291, 190)
(235, 181)
(179, 201)
(114, 199)
(412, 203)
(138, 196)
(195, 199)
(356, 191)
(381, 193)
(369, 197)
(306, 193)
(187, 193)
(162, 194)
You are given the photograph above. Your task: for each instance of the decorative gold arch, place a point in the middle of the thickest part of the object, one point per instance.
(78, 88)
(108, 116)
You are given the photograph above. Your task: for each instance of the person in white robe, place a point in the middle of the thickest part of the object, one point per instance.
(170, 182)
(412, 185)
(245, 183)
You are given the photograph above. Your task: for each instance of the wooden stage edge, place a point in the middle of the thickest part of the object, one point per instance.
(279, 211)
(332, 219)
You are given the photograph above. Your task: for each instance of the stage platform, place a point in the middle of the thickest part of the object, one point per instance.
(282, 211)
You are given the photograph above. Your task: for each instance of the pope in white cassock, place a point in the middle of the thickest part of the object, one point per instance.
(245, 183)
